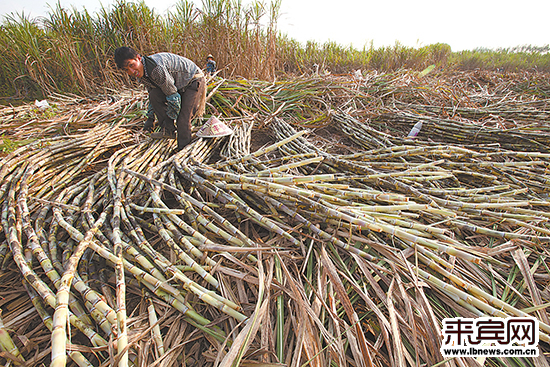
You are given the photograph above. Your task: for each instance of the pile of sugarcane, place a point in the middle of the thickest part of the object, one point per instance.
(317, 234)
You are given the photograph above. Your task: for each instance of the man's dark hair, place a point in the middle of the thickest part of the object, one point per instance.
(124, 53)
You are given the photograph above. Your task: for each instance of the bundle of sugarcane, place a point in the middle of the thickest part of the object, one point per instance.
(70, 114)
(493, 115)
(482, 110)
(286, 254)
(53, 194)
(531, 137)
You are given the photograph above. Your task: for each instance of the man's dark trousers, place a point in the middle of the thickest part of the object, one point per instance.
(190, 100)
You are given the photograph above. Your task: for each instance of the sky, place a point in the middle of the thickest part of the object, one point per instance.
(464, 25)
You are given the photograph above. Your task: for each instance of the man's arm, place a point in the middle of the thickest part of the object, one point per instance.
(168, 86)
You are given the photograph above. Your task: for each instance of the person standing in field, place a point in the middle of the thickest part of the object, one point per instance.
(210, 65)
(176, 87)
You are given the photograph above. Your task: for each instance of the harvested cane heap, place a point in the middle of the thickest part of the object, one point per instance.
(317, 233)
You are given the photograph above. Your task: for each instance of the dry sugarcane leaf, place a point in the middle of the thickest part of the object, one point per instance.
(245, 337)
(338, 326)
(396, 335)
(521, 261)
(343, 297)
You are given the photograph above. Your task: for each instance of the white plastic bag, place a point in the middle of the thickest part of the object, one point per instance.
(41, 105)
